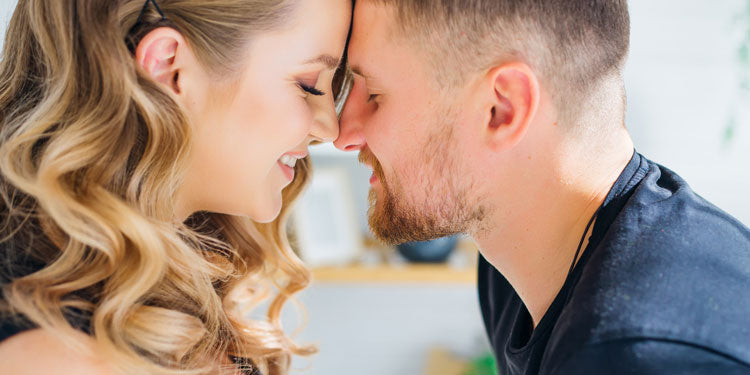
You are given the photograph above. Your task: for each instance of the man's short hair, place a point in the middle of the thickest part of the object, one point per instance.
(571, 44)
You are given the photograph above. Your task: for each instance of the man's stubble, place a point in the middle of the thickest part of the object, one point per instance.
(430, 197)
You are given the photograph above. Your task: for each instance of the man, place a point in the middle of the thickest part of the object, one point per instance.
(504, 119)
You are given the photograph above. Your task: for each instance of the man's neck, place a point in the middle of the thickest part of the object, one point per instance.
(534, 248)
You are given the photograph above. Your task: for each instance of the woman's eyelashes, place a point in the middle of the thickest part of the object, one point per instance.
(310, 90)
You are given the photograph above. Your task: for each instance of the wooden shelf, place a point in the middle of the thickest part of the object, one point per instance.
(409, 273)
(461, 269)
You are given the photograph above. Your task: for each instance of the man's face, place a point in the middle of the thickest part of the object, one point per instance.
(408, 132)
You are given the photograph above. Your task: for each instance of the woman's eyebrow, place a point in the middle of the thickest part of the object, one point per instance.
(329, 61)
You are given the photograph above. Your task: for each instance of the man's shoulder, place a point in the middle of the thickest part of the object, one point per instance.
(665, 233)
(672, 266)
(664, 207)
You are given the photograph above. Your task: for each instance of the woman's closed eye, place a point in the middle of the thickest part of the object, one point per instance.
(310, 90)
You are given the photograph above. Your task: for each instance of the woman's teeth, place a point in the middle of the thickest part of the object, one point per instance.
(289, 161)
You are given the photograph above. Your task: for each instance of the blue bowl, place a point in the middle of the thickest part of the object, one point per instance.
(433, 251)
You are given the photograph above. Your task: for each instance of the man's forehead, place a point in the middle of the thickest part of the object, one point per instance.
(370, 38)
(369, 16)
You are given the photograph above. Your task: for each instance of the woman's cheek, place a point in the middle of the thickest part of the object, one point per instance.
(298, 124)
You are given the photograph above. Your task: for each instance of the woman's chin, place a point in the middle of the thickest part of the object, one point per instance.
(265, 219)
(266, 212)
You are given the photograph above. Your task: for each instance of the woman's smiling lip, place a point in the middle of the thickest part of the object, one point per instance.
(287, 170)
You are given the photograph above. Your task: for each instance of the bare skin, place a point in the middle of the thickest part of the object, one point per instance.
(509, 171)
(41, 352)
(242, 132)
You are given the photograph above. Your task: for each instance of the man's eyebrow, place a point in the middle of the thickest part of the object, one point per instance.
(325, 59)
(356, 69)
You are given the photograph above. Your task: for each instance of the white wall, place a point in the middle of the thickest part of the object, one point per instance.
(378, 329)
(6, 9)
(681, 81)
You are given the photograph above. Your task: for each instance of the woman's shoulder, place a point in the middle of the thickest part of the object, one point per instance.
(40, 351)
(11, 325)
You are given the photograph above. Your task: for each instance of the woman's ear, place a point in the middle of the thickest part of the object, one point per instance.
(157, 55)
(514, 100)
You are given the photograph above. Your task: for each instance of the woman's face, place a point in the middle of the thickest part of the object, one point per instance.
(249, 133)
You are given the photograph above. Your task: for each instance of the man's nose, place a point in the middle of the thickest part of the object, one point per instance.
(351, 135)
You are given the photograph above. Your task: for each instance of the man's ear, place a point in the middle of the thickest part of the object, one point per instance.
(513, 104)
(157, 54)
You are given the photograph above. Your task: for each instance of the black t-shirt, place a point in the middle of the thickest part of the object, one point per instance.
(663, 287)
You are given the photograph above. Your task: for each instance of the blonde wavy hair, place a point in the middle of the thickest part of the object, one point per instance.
(91, 154)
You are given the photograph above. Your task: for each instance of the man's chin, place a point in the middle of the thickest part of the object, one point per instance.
(381, 223)
(391, 235)
(394, 227)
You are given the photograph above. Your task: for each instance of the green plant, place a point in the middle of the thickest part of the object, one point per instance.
(743, 57)
(484, 365)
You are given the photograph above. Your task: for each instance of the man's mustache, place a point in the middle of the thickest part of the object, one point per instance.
(368, 158)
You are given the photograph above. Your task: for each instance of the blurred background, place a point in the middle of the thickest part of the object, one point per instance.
(371, 311)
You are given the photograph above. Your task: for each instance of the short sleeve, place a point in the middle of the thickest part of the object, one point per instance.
(648, 357)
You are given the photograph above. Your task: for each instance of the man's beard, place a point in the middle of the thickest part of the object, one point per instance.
(432, 201)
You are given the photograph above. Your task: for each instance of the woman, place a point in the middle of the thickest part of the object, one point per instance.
(148, 154)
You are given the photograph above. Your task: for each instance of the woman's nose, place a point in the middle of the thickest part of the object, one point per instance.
(325, 126)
